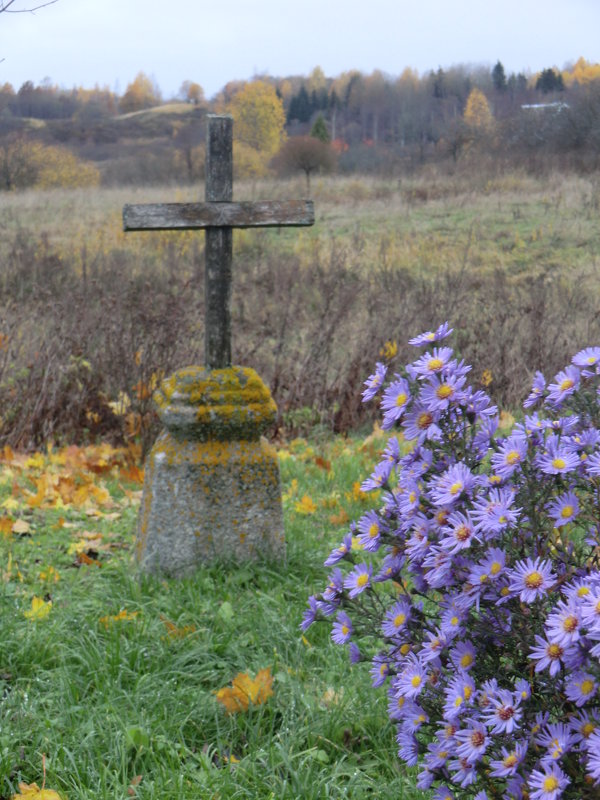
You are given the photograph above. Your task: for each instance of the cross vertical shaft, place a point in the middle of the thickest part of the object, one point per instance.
(219, 250)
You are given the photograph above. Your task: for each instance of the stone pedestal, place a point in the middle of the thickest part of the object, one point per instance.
(212, 488)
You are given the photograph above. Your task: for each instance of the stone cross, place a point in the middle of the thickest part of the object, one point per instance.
(212, 489)
(218, 216)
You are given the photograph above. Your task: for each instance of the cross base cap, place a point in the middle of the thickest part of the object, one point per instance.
(222, 404)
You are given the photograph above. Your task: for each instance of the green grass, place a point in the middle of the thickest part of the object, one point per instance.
(107, 702)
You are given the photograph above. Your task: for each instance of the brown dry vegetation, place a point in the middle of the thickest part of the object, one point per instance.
(89, 313)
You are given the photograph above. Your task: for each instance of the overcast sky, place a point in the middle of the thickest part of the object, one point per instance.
(107, 42)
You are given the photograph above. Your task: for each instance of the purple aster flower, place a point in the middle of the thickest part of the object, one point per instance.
(369, 526)
(563, 624)
(437, 755)
(590, 609)
(547, 784)
(509, 763)
(333, 590)
(414, 716)
(394, 402)
(566, 382)
(531, 579)
(374, 382)
(462, 655)
(588, 357)
(592, 465)
(458, 694)
(358, 580)
(340, 552)
(458, 534)
(463, 772)
(432, 363)
(380, 669)
(490, 567)
(437, 566)
(503, 713)
(378, 478)
(523, 688)
(342, 628)
(429, 336)
(310, 613)
(580, 687)
(396, 618)
(433, 644)
(558, 740)
(494, 513)
(537, 390)
(557, 459)
(583, 725)
(564, 509)
(510, 454)
(420, 424)
(413, 678)
(437, 394)
(593, 761)
(547, 654)
(442, 793)
(408, 747)
(355, 654)
(454, 482)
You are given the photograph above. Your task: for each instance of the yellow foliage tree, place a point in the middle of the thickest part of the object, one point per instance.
(59, 168)
(140, 93)
(259, 118)
(477, 113)
(582, 72)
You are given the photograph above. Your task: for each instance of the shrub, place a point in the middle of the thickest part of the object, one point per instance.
(474, 588)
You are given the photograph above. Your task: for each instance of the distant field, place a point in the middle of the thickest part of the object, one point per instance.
(512, 261)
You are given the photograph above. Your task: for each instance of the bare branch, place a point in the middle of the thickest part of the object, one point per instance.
(5, 6)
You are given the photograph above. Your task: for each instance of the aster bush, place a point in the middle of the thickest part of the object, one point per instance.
(474, 588)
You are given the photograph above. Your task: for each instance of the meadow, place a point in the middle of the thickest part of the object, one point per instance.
(91, 315)
(109, 681)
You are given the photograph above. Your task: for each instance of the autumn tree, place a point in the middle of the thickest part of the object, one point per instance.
(192, 92)
(549, 80)
(305, 154)
(28, 163)
(140, 93)
(259, 125)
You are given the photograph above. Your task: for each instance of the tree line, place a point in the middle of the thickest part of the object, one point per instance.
(355, 121)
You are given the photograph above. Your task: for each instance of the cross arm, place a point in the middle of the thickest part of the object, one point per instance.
(185, 216)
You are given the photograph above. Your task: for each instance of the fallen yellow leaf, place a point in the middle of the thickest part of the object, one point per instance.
(305, 506)
(31, 791)
(39, 609)
(245, 690)
(21, 527)
(122, 616)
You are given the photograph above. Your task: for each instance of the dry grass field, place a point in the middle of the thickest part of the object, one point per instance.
(91, 314)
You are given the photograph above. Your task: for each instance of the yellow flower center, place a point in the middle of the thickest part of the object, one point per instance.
(513, 457)
(467, 691)
(583, 591)
(495, 568)
(401, 399)
(454, 621)
(345, 630)
(415, 681)
(567, 512)
(587, 687)
(424, 420)
(534, 580)
(559, 463)
(550, 783)
(587, 729)
(456, 488)
(373, 530)
(458, 702)
(412, 497)
(567, 384)
(435, 364)
(554, 651)
(483, 578)
(444, 391)
(466, 660)
(570, 623)
(405, 649)
(510, 760)
(362, 580)
(462, 533)
(591, 360)
(399, 619)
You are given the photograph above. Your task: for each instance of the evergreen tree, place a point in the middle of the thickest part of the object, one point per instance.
(549, 81)
(319, 130)
(499, 77)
